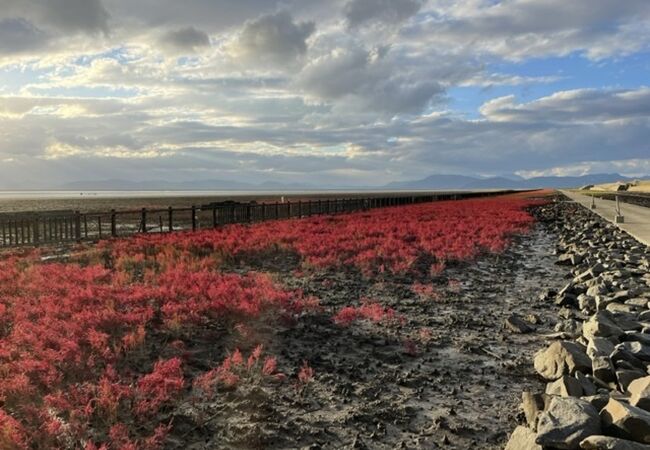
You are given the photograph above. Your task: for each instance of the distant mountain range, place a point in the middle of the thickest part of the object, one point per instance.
(507, 182)
(432, 182)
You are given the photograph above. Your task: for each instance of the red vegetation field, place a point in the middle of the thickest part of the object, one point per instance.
(98, 351)
(390, 239)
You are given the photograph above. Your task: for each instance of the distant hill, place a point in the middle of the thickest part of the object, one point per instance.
(432, 182)
(506, 182)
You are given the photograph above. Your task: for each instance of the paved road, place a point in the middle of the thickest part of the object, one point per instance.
(637, 218)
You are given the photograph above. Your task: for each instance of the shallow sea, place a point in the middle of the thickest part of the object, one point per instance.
(87, 201)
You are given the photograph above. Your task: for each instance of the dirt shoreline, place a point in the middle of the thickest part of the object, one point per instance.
(382, 386)
(593, 397)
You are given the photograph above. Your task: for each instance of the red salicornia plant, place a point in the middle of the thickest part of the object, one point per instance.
(96, 352)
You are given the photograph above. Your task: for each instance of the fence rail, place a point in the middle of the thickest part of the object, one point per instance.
(58, 227)
(633, 198)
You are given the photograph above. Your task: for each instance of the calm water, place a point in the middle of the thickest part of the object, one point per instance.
(86, 201)
(77, 195)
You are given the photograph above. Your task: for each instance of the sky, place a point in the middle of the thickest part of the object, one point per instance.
(337, 92)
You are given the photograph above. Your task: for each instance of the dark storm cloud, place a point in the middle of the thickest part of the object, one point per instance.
(68, 16)
(367, 79)
(187, 39)
(520, 29)
(361, 12)
(19, 35)
(76, 15)
(274, 39)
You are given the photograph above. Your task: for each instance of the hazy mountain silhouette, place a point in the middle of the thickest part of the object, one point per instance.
(432, 182)
(506, 182)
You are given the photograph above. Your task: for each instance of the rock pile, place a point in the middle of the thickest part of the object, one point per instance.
(598, 367)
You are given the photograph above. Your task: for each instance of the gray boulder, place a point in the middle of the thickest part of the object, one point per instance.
(623, 358)
(626, 421)
(597, 289)
(610, 443)
(586, 303)
(639, 350)
(599, 346)
(533, 405)
(639, 391)
(561, 358)
(622, 308)
(626, 377)
(603, 369)
(639, 302)
(516, 324)
(586, 383)
(566, 423)
(598, 401)
(565, 387)
(601, 324)
(522, 438)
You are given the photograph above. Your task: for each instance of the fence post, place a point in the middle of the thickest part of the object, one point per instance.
(36, 231)
(77, 225)
(619, 216)
(144, 220)
(193, 217)
(214, 216)
(170, 219)
(113, 223)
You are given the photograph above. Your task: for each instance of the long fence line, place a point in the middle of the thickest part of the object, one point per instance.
(633, 198)
(57, 227)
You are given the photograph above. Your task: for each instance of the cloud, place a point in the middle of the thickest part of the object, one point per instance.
(18, 35)
(578, 106)
(69, 16)
(364, 12)
(564, 128)
(628, 167)
(120, 136)
(521, 29)
(214, 16)
(77, 15)
(185, 40)
(285, 88)
(363, 79)
(273, 40)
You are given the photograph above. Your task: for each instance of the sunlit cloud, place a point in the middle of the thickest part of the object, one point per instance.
(348, 92)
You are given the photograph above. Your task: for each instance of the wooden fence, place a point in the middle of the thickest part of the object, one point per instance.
(56, 227)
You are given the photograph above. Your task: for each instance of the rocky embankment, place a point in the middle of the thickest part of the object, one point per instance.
(597, 368)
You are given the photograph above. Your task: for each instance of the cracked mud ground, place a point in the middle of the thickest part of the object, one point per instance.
(380, 386)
